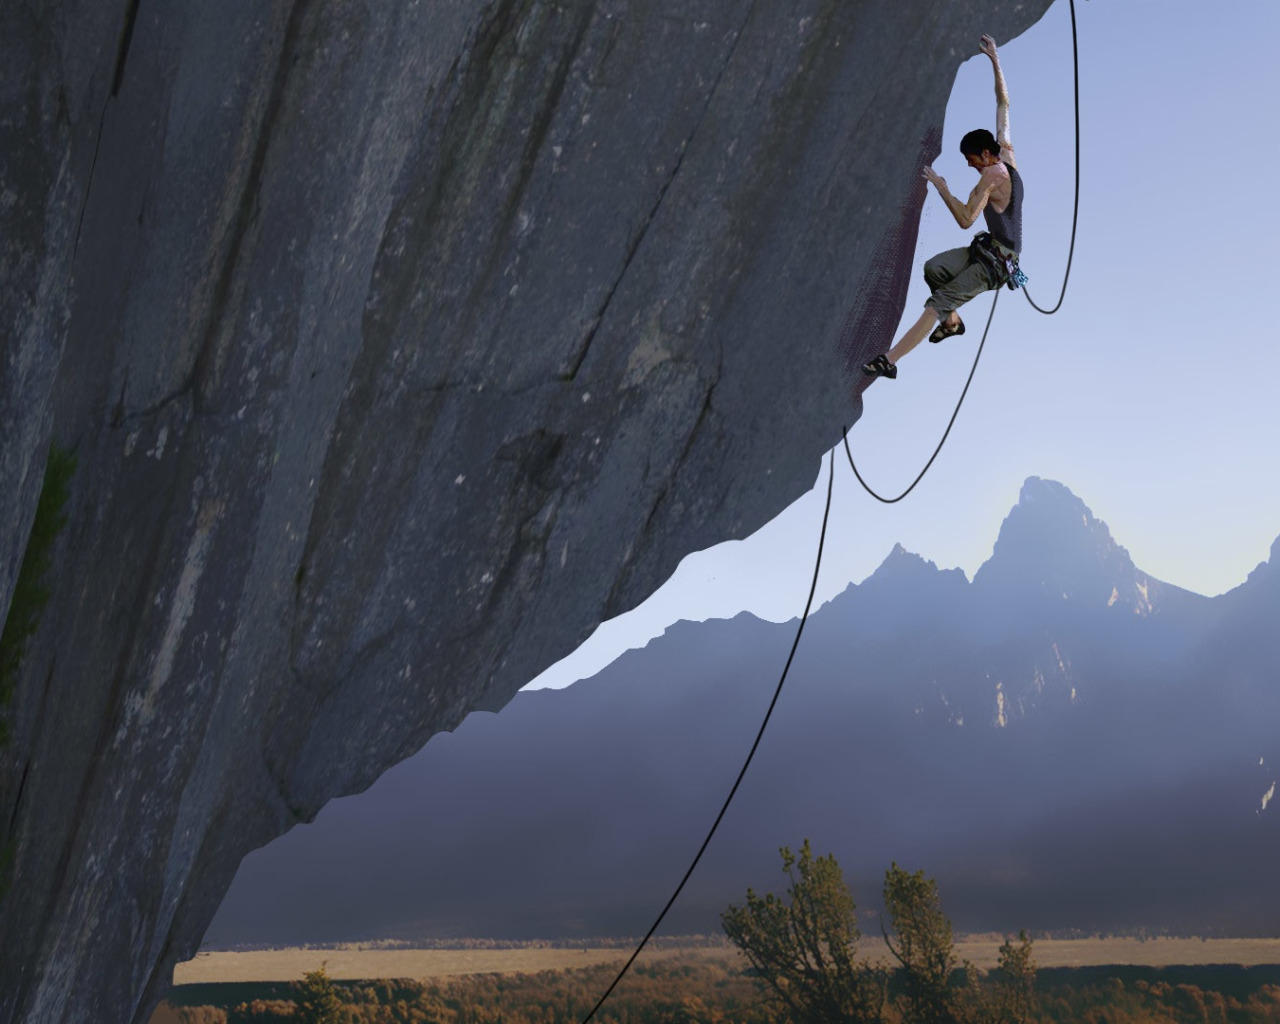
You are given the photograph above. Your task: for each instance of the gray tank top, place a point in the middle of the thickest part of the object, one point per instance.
(1007, 227)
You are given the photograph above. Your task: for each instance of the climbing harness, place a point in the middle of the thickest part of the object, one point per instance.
(1001, 262)
(1015, 280)
(822, 536)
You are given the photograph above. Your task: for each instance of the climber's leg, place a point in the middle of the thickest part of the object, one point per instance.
(916, 333)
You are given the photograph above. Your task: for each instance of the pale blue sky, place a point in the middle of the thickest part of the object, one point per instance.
(1152, 394)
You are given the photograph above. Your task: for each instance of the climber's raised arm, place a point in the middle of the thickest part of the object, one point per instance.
(988, 46)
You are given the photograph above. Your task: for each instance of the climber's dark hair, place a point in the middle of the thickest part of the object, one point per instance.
(979, 141)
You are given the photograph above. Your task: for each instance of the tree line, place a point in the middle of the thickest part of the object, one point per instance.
(703, 992)
(801, 949)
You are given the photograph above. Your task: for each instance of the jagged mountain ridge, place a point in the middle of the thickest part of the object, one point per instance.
(1050, 549)
(1041, 553)
(1051, 780)
(1055, 578)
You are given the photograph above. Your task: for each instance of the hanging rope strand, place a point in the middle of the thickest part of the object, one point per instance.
(889, 501)
(1075, 213)
(822, 537)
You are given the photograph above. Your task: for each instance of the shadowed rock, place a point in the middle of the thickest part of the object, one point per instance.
(399, 345)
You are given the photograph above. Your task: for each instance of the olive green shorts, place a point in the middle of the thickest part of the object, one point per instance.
(956, 276)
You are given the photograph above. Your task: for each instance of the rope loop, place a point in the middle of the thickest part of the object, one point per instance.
(920, 476)
(1075, 217)
(1075, 214)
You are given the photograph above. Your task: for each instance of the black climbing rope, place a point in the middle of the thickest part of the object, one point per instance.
(823, 536)
(956, 412)
(1075, 213)
(1075, 216)
(750, 754)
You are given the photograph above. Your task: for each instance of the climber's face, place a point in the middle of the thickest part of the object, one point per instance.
(983, 160)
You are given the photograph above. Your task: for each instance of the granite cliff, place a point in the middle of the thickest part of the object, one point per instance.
(397, 345)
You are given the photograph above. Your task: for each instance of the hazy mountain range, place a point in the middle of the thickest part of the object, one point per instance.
(1064, 742)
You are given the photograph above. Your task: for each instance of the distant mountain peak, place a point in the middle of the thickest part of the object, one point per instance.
(902, 572)
(899, 552)
(1047, 509)
(1265, 575)
(900, 562)
(1052, 505)
(1037, 487)
(1268, 568)
(1052, 544)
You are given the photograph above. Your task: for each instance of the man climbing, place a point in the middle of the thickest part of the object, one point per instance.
(958, 275)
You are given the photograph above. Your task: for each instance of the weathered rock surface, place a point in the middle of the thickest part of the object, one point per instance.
(399, 344)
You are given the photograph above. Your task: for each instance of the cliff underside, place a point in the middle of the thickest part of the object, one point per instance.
(382, 350)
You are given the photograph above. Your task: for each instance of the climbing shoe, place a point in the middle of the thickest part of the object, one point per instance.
(880, 367)
(943, 330)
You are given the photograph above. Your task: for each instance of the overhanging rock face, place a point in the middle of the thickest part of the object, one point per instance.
(398, 345)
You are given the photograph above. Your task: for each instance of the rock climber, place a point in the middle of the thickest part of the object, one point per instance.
(991, 260)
